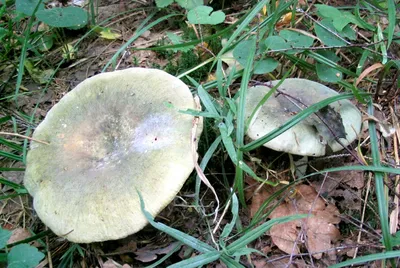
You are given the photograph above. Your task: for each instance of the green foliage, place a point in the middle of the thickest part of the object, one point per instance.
(20, 256)
(328, 74)
(197, 12)
(205, 15)
(56, 17)
(259, 46)
(4, 236)
(177, 40)
(27, 7)
(187, 4)
(24, 256)
(63, 17)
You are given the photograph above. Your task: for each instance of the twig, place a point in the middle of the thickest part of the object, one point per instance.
(24, 137)
(363, 214)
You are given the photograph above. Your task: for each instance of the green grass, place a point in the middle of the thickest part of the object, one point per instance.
(224, 145)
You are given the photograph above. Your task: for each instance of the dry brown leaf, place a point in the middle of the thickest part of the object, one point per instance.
(279, 263)
(367, 71)
(19, 234)
(319, 228)
(257, 193)
(345, 186)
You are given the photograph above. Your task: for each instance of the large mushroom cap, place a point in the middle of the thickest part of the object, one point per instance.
(113, 135)
(310, 136)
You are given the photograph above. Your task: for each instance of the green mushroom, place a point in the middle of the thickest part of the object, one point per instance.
(312, 136)
(113, 135)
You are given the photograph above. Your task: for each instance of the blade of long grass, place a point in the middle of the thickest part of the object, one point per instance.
(235, 213)
(228, 143)
(368, 258)
(11, 145)
(24, 49)
(252, 235)
(360, 168)
(392, 21)
(206, 158)
(240, 123)
(10, 156)
(379, 185)
(11, 169)
(322, 59)
(208, 101)
(198, 261)
(231, 263)
(5, 119)
(178, 235)
(17, 187)
(295, 120)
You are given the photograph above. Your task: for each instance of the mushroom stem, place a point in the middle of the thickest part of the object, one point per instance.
(23, 136)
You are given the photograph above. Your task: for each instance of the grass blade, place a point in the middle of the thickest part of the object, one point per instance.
(206, 158)
(364, 259)
(198, 261)
(240, 122)
(392, 21)
(178, 235)
(379, 185)
(258, 231)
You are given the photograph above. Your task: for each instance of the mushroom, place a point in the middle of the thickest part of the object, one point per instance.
(310, 137)
(113, 135)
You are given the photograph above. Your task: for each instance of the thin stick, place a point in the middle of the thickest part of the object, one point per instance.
(24, 137)
(394, 220)
(363, 214)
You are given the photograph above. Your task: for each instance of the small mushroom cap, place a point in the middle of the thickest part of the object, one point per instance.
(113, 135)
(310, 136)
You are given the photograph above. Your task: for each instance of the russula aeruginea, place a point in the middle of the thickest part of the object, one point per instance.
(113, 135)
(310, 137)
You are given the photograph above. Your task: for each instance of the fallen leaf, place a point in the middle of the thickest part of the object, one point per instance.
(319, 229)
(284, 20)
(255, 193)
(147, 255)
(19, 234)
(108, 34)
(346, 185)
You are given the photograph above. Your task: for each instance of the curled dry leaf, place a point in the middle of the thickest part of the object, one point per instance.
(319, 229)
